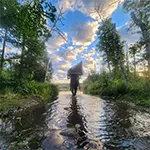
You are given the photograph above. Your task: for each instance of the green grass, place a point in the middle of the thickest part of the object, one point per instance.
(11, 100)
(137, 89)
(136, 99)
(16, 96)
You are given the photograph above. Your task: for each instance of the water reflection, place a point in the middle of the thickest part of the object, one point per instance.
(120, 126)
(75, 118)
(117, 125)
(26, 130)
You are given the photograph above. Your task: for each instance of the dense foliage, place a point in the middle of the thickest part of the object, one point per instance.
(120, 80)
(137, 90)
(140, 14)
(23, 26)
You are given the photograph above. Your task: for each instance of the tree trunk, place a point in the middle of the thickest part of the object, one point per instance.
(127, 58)
(21, 60)
(109, 67)
(134, 66)
(3, 50)
(46, 68)
(115, 72)
(122, 70)
(148, 56)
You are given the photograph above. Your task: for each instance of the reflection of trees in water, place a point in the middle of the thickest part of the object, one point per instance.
(118, 124)
(75, 118)
(27, 130)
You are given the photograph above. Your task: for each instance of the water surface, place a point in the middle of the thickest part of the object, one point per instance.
(117, 125)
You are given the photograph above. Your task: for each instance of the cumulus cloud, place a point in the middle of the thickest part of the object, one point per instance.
(10, 50)
(81, 49)
(55, 58)
(65, 65)
(89, 55)
(55, 42)
(60, 72)
(106, 7)
(84, 33)
(70, 54)
(62, 65)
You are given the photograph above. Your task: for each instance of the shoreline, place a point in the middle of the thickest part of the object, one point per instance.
(129, 100)
(23, 104)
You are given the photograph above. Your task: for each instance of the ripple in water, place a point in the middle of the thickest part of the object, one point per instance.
(115, 124)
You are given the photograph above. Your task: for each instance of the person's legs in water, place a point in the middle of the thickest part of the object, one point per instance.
(72, 92)
(75, 90)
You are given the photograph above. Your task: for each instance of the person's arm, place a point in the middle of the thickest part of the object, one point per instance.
(68, 77)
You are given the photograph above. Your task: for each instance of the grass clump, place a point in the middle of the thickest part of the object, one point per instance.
(14, 93)
(137, 89)
(10, 100)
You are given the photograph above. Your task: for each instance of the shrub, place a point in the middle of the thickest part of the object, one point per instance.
(115, 88)
(47, 91)
(95, 88)
(29, 87)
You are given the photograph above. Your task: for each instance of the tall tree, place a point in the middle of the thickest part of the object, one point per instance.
(8, 13)
(111, 45)
(140, 14)
(32, 25)
(26, 22)
(133, 50)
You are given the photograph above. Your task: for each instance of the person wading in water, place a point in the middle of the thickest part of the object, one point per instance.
(74, 83)
(74, 74)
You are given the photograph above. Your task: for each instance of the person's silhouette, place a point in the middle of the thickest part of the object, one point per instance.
(74, 83)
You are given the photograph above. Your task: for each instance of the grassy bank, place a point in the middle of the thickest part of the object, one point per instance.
(136, 90)
(14, 94)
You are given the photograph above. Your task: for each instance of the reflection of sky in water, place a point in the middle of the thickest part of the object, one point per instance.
(113, 123)
(104, 120)
(141, 124)
(92, 110)
(6, 126)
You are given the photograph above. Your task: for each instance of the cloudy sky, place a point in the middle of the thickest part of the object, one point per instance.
(80, 24)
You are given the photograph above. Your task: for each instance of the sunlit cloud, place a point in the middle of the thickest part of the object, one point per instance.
(88, 7)
(84, 33)
(70, 54)
(55, 42)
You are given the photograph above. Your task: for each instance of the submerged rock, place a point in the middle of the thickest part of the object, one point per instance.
(94, 145)
(53, 141)
(71, 132)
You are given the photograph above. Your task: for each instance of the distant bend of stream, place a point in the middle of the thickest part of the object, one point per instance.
(116, 125)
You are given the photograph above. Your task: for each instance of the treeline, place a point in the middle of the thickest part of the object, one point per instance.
(24, 28)
(121, 79)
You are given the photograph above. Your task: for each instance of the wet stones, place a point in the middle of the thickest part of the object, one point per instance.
(94, 145)
(70, 132)
(53, 141)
